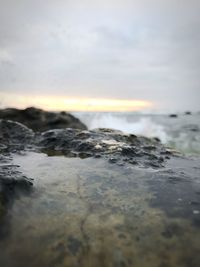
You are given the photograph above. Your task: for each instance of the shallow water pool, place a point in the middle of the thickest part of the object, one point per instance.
(91, 213)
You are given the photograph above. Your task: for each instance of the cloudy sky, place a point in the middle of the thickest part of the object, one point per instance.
(143, 50)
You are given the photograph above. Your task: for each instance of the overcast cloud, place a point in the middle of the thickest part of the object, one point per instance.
(145, 49)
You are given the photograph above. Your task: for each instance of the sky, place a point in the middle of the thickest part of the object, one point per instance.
(79, 55)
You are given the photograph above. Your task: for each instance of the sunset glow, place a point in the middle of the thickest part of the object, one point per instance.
(74, 104)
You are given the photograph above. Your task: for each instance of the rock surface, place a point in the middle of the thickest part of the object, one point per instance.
(40, 120)
(114, 146)
(12, 182)
(14, 137)
(130, 202)
(107, 143)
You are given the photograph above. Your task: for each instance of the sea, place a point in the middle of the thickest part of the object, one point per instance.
(180, 131)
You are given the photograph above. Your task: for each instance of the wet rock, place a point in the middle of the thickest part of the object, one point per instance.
(12, 184)
(112, 211)
(175, 189)
(115, 146)
(40, 120)
(11, 181)
(14, 135)
(110, 144)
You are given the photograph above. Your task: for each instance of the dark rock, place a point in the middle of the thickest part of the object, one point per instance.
(173, 115)
(14, 135)
(12, 184)
(105, 143)
(40, 120)
(112, 145)
(188, 113)
(129, 151)
(11, 180)
(157, 139)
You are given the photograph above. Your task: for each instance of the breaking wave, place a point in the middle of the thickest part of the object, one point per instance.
(181, 133)
(144, 126)
(141, 126)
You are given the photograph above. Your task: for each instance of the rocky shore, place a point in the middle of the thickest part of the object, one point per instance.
(14, 137)
(111, 145)
(40, 120)
(168, 187)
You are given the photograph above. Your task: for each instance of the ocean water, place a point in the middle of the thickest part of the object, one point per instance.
(181, 133)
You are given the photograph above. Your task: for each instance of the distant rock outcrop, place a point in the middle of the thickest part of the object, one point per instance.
(173, 115)
(40, 120)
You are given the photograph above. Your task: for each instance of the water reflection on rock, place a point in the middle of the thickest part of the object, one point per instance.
(93, 213)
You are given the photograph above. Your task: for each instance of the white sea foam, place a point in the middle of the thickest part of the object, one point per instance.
(142, 126)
